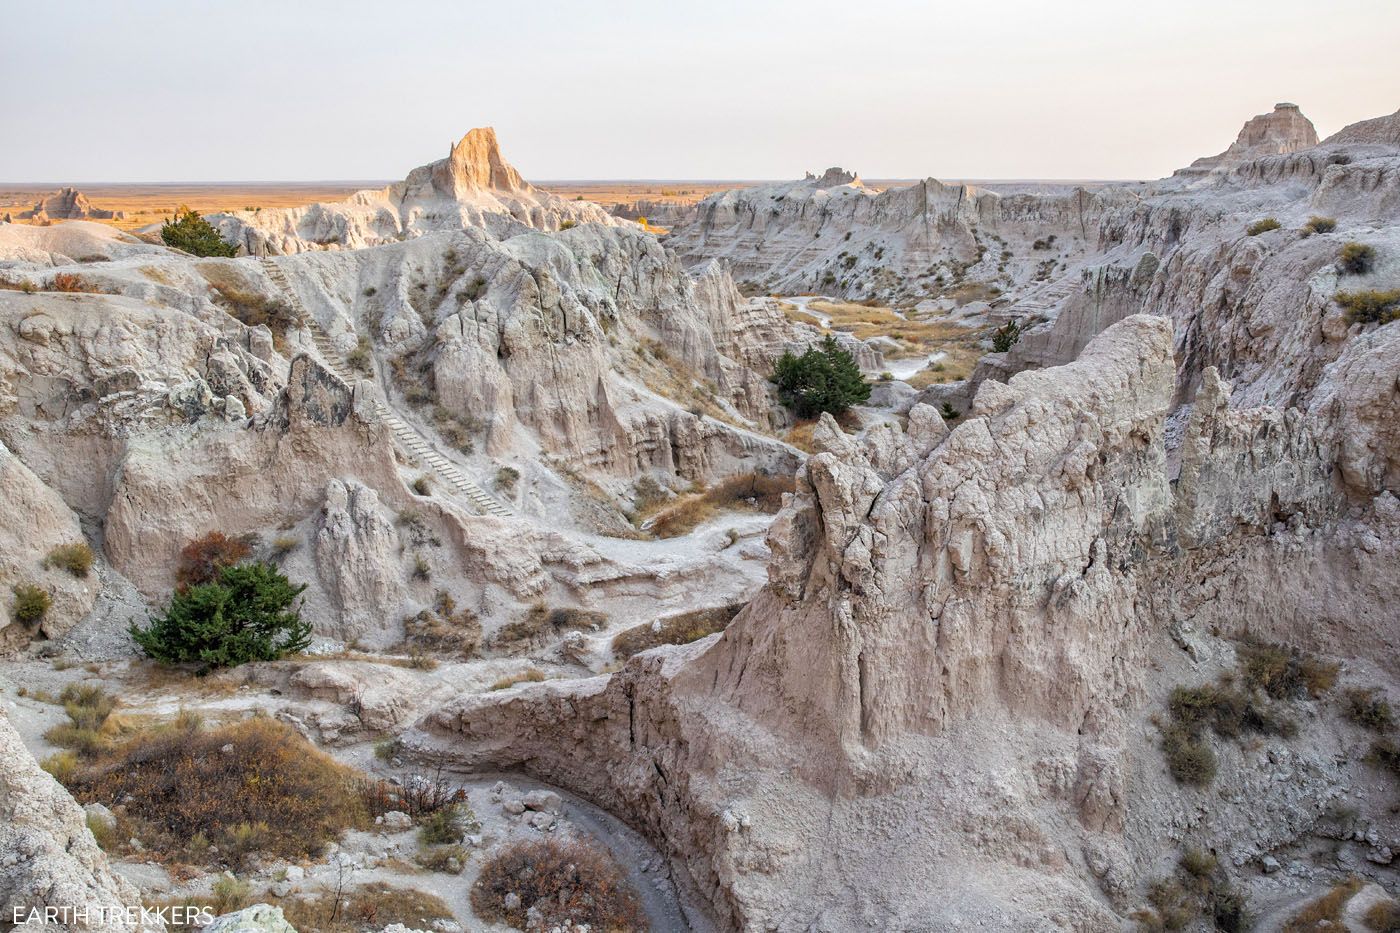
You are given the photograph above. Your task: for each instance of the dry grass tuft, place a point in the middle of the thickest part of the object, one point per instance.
(1325, 912)
(542, 623)
(755, 492)
(1368, 710)
(1383, 917)
(531, 676)
(76, 558)
(255, 786)
(367, 908)
(443, 631)
(1285, 673)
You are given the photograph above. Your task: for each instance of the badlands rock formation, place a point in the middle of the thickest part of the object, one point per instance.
(936, 713)
(1260, 308)
(942, 704)
(67, 204)
(927, 718)
(473, 186)
(149, 401)
(1283, 131)
(48, 857)
(833, 235)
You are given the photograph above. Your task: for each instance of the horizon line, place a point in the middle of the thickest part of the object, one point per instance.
(344, 182)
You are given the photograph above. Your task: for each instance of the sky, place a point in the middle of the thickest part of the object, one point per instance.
(217, 90)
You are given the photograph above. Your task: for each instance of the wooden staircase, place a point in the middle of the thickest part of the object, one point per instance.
(409, 439)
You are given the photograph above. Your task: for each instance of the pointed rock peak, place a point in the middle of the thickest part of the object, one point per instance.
(1279, 132)
(475, 162)
(834, 177)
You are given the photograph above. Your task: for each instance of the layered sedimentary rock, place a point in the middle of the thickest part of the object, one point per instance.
(563, 342)
(473, 187)
(961, 623)
(50, 860)
(34, 521)
(156, 398)
(1259, 307)
(833, 234)
(1379, 131)
(1280, 132)
(67, 204)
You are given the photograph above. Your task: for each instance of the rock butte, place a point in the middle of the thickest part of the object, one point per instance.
(939, 705)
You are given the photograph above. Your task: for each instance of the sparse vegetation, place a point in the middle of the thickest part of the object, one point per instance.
(1320, 225)
(529, 676)
(1190, 760)
(248, 304)
(1238, 705)
(541, 623)
(1385, 754)
(445, 630)
(447, 825)
(1356, 258)
(949, 413)
(422, 570)
(282, 545)
(677, 630)
(253, 787)
(1005, 337)
(360, 358)
(1262, 226)
(1324, 912)
(247, 614)
(203, 559)
(192, 233)
(564, 883)
(823, 379)
(1383, 917)
(448, 859)
(1198, 889)
(72, 283)
(90, 726)
(419, 798)
(1370, 306)
(1285, 673)
(473, 289)
(1368, 710)
(366, 909)
(76, 558)
(31, 604)
(760, 492)
(457, 429)
(422, 486)
(506, 478)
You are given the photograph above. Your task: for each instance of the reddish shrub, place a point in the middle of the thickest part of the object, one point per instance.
(203, 558)
(570, 882)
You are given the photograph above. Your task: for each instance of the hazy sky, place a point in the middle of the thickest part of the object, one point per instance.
(185, 90)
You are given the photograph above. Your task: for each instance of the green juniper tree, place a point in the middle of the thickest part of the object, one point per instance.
(193, 234)
(824, 379)
(245, 614)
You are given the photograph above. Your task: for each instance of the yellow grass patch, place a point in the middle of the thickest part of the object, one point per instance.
(744, 492)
